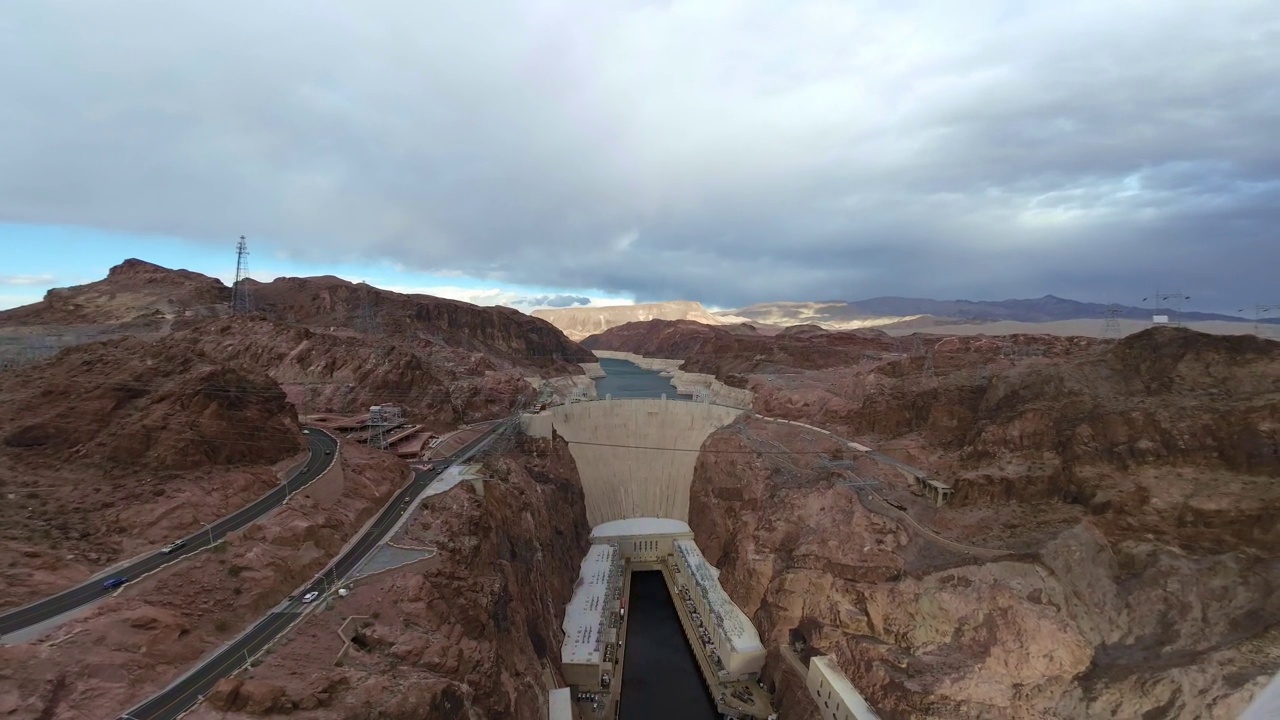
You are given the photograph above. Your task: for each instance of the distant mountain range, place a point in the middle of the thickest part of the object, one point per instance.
(578, 323)
(909, 312)
(905, 314)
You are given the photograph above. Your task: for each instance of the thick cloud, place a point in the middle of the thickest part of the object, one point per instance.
(728, 152)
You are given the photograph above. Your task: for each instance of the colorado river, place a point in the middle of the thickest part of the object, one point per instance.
(660, 677)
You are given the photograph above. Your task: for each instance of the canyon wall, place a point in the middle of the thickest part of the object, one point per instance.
(473, 632)
(1073, 624)
(635, 456)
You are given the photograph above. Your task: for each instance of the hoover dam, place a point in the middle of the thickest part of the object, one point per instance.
(694, 654)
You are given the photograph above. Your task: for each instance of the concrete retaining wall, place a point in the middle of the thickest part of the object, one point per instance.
(635, 456)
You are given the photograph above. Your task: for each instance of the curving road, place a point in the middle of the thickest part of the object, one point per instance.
(91, 591)
(183, 694)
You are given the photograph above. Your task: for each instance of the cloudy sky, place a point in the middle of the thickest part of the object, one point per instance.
(730, 152)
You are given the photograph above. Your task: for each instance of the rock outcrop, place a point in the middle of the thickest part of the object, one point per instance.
(498, 332)
(127, 404)
(472, 632)
(136, 295)
(1080, 626)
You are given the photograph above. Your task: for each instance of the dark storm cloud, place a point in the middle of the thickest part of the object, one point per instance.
(725, 152)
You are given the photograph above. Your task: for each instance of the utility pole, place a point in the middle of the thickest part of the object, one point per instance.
(240, 303)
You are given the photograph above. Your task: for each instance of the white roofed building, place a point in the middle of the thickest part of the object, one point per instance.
(643, 539)
(590, 619)
(730, 634)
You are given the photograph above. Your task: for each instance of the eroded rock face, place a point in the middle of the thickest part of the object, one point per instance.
(1081, 626)
(322, 302)
(471, 633)
(127, 404)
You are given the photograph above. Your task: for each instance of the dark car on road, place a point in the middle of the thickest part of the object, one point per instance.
(114, 582)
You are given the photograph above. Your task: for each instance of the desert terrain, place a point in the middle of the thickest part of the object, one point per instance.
(139, 409)
(1112, 547)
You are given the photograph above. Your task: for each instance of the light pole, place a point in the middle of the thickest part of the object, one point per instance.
(210, 529)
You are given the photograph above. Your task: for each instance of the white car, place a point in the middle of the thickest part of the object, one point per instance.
(177, 545)
(310, 596)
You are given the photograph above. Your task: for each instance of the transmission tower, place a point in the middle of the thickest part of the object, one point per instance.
(368, 318)
(1171, 302)
(1259, 311)
(240, 303)
(1111, 322)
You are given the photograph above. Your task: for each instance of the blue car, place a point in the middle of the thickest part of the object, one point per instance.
(114, 582)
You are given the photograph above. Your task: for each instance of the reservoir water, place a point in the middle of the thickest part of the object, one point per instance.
(660, 677)
(625, 379)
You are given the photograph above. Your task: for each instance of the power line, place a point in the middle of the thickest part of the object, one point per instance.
(1170, 301)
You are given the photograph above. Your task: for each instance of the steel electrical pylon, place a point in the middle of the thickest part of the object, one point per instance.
(240, 301)
(1111, 323)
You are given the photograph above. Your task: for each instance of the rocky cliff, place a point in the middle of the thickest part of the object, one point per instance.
(127, 404)
(473, 632)
(499, 332)
(136, 294)
(439, 386)
(1071, 624)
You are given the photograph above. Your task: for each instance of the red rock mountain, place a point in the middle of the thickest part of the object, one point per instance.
(126, 404)
(723, 352)
(134, 292)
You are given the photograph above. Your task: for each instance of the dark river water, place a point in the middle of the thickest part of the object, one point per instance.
(628, 380)
(660, 677)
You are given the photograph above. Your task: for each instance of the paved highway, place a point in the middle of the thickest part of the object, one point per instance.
(91, 591)
(186, 692)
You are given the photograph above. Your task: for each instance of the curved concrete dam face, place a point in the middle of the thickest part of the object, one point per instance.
(635, 456)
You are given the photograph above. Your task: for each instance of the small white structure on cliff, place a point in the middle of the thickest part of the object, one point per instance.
(837, 698)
